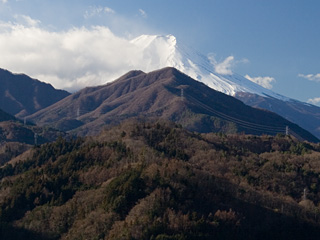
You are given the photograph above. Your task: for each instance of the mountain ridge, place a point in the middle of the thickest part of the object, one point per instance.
(159, 94)
(20, 95)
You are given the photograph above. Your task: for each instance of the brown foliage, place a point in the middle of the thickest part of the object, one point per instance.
(158, 181)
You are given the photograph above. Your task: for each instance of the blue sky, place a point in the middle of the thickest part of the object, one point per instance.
(275, 39)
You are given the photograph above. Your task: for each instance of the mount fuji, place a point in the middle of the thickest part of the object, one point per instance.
(165, 51)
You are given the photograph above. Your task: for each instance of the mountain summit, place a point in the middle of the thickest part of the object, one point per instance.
(164, 51)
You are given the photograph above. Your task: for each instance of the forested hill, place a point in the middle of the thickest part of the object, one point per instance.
(159, 181)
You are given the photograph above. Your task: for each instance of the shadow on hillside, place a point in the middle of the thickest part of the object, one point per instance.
(8, 232)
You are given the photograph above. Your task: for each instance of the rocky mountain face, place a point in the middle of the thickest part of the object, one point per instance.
(166, 94)
(21, 95)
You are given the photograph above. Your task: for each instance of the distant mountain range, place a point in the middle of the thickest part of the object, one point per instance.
(21, 95)
(166, 94)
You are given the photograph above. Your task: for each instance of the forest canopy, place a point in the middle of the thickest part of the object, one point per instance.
(156, 180)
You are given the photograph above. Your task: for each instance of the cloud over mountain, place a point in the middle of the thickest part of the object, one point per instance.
(314, 101)
(70, 59)
(226, 66)
(265, 82)
(87, 56)
(90, 56)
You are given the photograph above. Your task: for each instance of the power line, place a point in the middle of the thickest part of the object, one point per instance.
(242, 123)
(297, 136)
(249, 125)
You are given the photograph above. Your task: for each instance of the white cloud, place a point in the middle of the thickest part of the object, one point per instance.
(26, 20)
(108, 10)
(265, 82)
(311, 77)
(81, 57)
(143, 13)
(97, 11)
(4, 1)
(75, 58)
(314, 101)
(226, 66)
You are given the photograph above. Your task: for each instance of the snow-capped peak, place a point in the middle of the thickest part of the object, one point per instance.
(164, 51)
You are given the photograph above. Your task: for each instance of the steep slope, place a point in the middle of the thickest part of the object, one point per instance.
(304, 114)
(21, 95)
(166, 51)
(5, 116)
(168, 94)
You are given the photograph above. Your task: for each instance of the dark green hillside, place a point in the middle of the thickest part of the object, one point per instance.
(159, 181)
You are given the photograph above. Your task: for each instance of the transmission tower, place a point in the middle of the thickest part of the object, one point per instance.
(304, 196)
(35, 139)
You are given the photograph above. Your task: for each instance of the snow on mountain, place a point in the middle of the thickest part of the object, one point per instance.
(164, 51)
